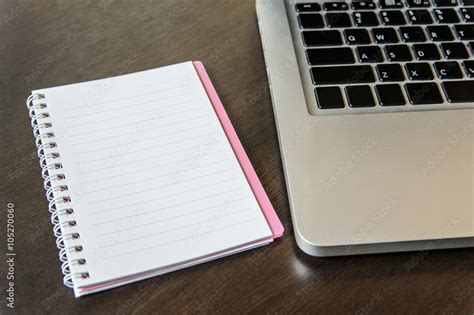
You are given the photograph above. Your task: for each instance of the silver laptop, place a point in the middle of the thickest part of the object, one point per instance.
(374, 104)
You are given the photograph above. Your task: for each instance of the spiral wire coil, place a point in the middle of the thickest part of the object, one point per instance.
(57, 192)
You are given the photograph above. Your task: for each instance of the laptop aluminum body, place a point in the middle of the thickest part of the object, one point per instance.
(366, 182)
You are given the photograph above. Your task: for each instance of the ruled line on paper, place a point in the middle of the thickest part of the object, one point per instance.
(132, 105)
(157, 210)
(140, 113)
(135, 123)
(135, 131)
(180, 240)
(156, 177)
(165, 208)
(113, 137)
(162, 197)
(147, 168)
(101, 85)
(151, 157)
(121, 99)
(178, 228)
(146, 149)
(165, 220)
(143, 139)
(158, 187)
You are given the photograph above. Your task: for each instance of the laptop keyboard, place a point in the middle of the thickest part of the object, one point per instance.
(398, 54)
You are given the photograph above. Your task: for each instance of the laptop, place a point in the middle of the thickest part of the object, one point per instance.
(374, 107)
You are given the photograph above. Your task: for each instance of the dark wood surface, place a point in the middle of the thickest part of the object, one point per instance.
(49, 43)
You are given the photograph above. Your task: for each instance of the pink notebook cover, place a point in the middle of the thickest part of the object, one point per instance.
(267, 209)
(270, 215)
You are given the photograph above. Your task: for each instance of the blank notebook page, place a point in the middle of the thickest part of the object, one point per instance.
(152, 177)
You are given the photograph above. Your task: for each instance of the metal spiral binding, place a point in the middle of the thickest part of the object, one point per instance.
(55, 183)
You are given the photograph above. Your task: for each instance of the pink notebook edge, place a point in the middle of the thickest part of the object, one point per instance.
(265, 205)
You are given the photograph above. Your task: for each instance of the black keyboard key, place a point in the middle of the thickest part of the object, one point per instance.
(330, 56)
(369, 54)
(329, 97)
(469, 68)
(440, 33)
(454, 50)
(338, 20)
(419, 71)
(419, 17)
(418, 3)
(365, 19)
(342, 74)
(390, 95)
(392, 18)
(465, 31)
(360, 96)
(322, 38)
(391, 4)
(310, 20)
(384, 35)
(391, 72)
(445, 3)
(411, 34)
(308, 7)
(398, 53)
(426, 52)
(356, 36)
(423, 93)
(446, 16)
(467, 14)
(459, 91)
(335, 6)
(363, 5)
(448, 70)
(467, 2)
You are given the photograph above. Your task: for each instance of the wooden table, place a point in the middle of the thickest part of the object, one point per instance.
(49, 43)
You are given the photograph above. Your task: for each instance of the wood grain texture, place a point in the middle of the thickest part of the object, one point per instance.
(49, 43)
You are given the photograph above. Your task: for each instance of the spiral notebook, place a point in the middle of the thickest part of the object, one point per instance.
(145, 175)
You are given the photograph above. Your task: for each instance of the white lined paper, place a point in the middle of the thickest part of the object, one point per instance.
(154, 177)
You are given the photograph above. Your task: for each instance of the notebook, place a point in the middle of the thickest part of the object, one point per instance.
(144, 175)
